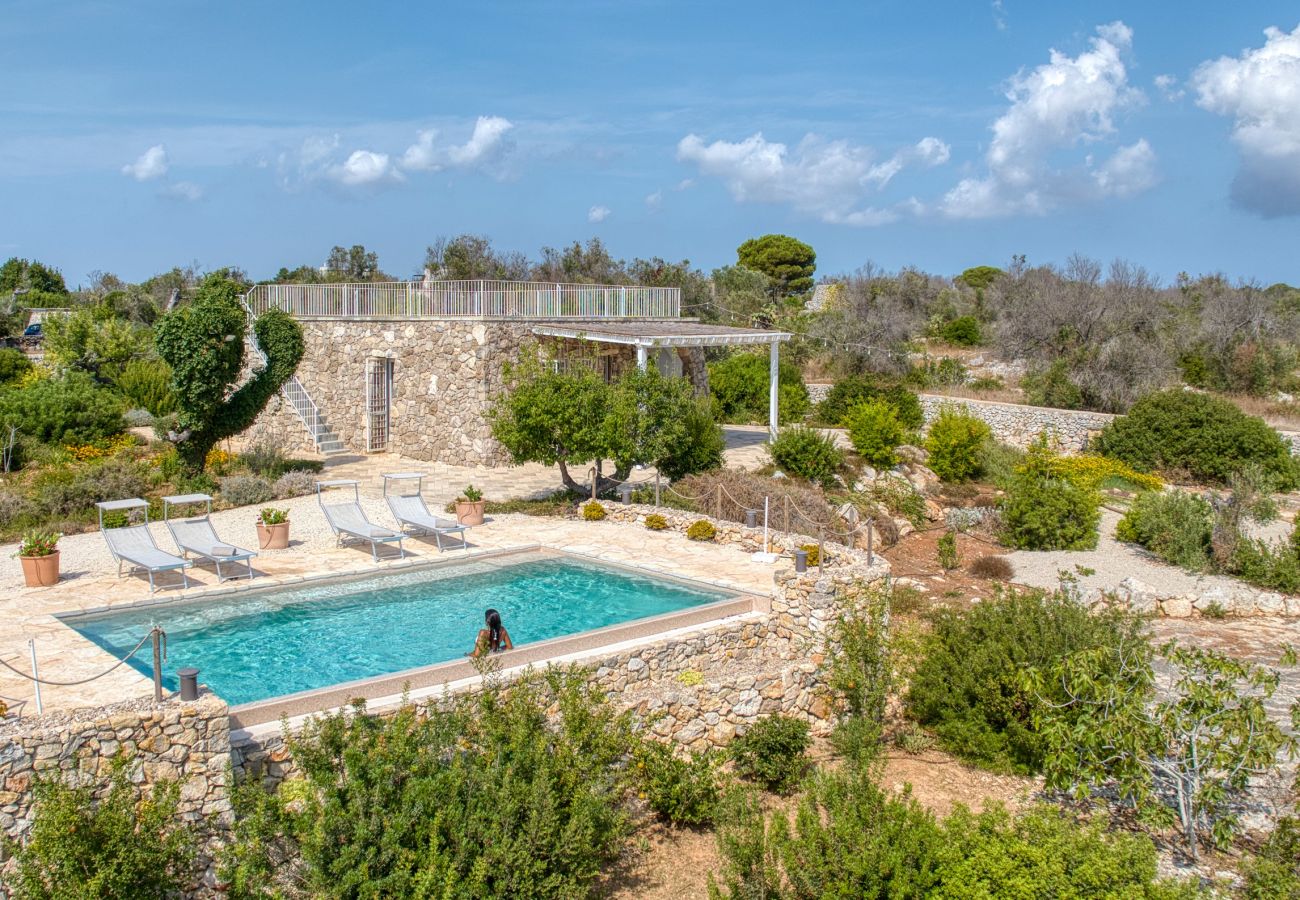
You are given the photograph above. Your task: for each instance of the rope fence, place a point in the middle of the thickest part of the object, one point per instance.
(156, 634)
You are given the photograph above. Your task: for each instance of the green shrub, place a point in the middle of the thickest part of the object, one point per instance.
(14, 364)
(806, 453)
(851, 839)
(1274, 872)
(1044, 510)
(773, 752)
(966, 687)
(700, 449)
(1267, 565)
(740, 385)
(963, 331)
(861, 676)
(482, 795)
(656, 522)
(949, 557)
(900, 498)
(593, 511)
(246, 490)
(66, 491)
(942, 372)
(1174, 525)
(849, 392)
(294, 483)
(1052, 387)
(955, 443)
(122, 845)
(701, 530)
(875, 432)
(147, 383)
(682, 791)
(68, 410)
(998, 462)
(1198, 435)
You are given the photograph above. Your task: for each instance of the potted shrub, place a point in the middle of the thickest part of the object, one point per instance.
(39, 553)
(273, 529)
(470, 506)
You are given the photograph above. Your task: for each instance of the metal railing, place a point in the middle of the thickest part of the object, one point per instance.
(467, 299)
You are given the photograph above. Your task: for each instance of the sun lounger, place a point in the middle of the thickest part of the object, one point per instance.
(410, 510)
(197, 536)
(134, 544)
(348, 521)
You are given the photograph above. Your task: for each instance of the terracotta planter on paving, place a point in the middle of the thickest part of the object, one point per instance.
(41, 571)
(470, 512)
(273, 537)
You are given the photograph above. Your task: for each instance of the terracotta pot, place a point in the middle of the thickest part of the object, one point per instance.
(273, 537)
(41, 571)
(470, 512)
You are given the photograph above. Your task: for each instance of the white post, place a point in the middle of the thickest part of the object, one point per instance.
(36, 678)
(772, 391)
(641, 357)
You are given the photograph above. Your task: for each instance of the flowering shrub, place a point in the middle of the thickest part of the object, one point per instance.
(39, 543)
(1091, 472)
(100, 449)
(593, 511)
(218, 461)
(656, 522)
(702, 530)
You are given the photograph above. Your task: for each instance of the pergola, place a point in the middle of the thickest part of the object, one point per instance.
(663, 335)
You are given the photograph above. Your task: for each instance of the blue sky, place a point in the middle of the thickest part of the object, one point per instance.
(138, 136)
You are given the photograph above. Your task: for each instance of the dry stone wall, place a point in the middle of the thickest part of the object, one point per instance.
(185, 742)
(1019, 425)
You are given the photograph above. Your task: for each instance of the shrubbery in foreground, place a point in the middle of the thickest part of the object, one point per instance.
(1045, 510)
(966, 686)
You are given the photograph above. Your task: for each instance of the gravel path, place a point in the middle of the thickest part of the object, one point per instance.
(1113, 561)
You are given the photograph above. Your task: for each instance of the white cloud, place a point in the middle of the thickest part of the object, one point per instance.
(486, 145)
(1168, 87)
(999, 15)
(183, 190)
(151, 164)
(1260, 91)
(684, 184)
(654, 200)
(831, 180)
(363, 168)
(1064, 103)
(598, 214)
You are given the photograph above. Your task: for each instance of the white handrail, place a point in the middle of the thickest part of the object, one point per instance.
(466, 299)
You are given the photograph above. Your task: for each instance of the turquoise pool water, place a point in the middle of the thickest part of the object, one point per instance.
(265, 645)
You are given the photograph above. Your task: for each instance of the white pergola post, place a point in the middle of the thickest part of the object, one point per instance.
(774, 366)
(641, 357)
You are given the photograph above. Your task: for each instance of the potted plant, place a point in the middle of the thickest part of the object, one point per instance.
(39, 553)
(273, 529)
(470, 506)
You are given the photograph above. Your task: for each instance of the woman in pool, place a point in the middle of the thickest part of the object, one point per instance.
(492, 639)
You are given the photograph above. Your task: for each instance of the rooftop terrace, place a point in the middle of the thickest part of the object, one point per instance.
(467, 299)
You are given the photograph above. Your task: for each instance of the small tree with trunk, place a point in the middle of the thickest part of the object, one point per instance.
(1179, 746)
(204, 345)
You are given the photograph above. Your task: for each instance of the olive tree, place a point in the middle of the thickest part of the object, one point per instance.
(204, 345)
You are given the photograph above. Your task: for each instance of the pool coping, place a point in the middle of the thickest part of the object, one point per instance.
(423, 680)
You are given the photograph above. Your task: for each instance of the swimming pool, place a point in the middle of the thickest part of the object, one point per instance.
(267, 644)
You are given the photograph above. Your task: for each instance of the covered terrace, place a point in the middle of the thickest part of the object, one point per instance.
(663, 335)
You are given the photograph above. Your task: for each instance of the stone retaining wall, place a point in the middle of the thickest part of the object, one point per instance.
(1237, 602)
(170, 741)
(1019, 425)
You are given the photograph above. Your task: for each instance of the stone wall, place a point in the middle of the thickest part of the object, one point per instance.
(1217, 601)
(170, 741)
(1019, 425)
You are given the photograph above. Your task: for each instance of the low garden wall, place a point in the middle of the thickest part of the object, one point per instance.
(1235, 602)
(1019, 425)
(185, 742)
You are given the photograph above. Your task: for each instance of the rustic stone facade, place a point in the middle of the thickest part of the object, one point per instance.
(186, 742)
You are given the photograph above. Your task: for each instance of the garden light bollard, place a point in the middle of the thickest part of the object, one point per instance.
(189, 677)
(751, 518)
(801, 560)
(626, 491)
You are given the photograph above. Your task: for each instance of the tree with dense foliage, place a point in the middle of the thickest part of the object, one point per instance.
(29, 275)
(741, 385)
(1197, 435)
(789, 262)
(204, 345)
(702, 446)
(469, 257)
(575, 418)
(354, 263)
(1180, 751)
(14, 364)
(94, 341)
(853, 390)
(579, 263)
(980, 277)
(120, 845)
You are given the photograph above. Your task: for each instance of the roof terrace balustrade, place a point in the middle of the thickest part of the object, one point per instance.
(466, 299)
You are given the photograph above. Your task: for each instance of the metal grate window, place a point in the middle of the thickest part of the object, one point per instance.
(379, 392)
